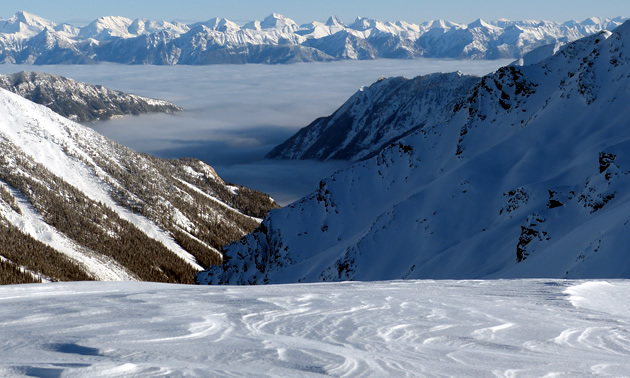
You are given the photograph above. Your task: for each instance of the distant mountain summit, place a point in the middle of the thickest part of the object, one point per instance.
(80, 102)
(25, 24)
(276, 39)
(526, 175)
(274, 22)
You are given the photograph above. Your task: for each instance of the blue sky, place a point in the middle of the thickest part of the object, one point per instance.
(463, 11)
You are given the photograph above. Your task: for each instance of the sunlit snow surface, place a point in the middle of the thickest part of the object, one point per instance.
(412, 328)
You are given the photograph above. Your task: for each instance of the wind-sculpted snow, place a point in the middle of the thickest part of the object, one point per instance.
(26, 38)
(400, 328)
(528, 178)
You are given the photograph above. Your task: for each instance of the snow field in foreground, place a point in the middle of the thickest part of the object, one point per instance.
(414, 328)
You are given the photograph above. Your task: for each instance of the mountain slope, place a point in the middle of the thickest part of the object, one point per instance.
(528, 178)
(80, 102)
(376, 117)
(106, 211)
(26, 38)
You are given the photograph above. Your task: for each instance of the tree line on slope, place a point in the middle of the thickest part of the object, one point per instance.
(22, 250)
(91, 224)
(10, 274)
(158, 189)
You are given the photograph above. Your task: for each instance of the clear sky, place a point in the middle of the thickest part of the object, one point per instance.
(416, 11)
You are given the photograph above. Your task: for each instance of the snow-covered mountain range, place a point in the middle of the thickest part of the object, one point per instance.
(75, 205)
(527, 177)
(27, 38)
(80, 102)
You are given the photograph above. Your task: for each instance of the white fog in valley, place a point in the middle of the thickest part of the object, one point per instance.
(235, 114)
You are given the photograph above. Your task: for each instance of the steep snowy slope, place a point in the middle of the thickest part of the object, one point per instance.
(80, 102)
(26, 38)
(529, 178)
(75, 205)
(377, 116)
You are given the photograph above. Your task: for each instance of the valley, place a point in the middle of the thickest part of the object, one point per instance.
(363, 198)
(213, 126)
(526, 176)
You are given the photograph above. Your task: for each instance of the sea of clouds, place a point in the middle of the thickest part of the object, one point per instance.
(235, 114)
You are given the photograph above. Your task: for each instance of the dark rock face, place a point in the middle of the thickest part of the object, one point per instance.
(80, 102)
(605, 160)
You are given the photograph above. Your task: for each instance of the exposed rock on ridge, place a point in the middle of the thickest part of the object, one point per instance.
(530, 177)
(378, 116)
(80, 102)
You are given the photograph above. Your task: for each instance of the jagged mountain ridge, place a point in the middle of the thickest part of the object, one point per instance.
(26, 38)
(377, 116)
(75, 205)
(529, 178)
(391, 108)
(80, 102)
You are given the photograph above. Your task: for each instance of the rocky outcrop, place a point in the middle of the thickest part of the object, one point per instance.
(377, 116)
(80, 102)
(528, 177)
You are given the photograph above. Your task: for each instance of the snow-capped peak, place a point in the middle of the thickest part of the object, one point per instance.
(138, 26)
(141, 26)
(361, 23)
(438, 24)
(593, 21)
(279, 22)
(254, 25)
(113, 22)
(31, 19)
(479, 23)
(334, 21)
(406, 26)
(107, 27)
(25, 25)
(221, 24)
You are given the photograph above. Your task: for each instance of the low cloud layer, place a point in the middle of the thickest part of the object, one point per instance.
(235, 114)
